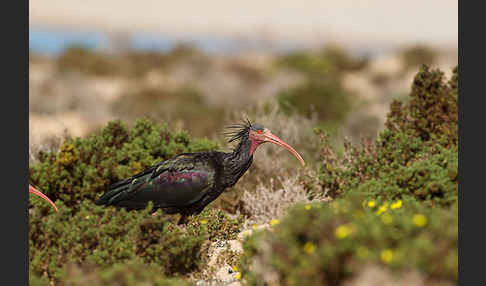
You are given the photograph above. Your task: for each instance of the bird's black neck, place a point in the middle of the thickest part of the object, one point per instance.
(237, 162)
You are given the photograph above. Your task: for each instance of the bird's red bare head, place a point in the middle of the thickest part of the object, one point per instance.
(257, 135)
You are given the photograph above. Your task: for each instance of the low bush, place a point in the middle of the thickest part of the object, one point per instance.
(412, 157)
(418, 55)
(330, 61)
(185, 105)
(328, 243)
(395, 202)
(215, 224)
(432, 112)
(123, 274)
(83, 59)
(396, 166)
(98, 238)
(323, 98)
(321, 94)
(102, 237)
(135, 64)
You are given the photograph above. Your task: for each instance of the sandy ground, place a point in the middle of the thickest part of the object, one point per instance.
(364, 23)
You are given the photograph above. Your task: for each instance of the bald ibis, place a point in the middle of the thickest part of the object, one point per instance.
(187, 183)
(34, 191)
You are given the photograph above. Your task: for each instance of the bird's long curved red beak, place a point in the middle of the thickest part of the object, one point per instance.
(34, 191)
(269, 137)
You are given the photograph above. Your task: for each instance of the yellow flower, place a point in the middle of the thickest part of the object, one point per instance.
(419, 220)
(238, 276)
(386, 218)
(307, 207)
(396, 205)
(203, 221)
(371, 204)
(235, 269)
(362, 252)
(274, 222)
(386, 255)
(342, 231)
(382, 209)
(254, 226)
(309, 247)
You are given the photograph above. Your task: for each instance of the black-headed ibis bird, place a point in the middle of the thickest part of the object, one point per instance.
(187, 183)
(34, 191)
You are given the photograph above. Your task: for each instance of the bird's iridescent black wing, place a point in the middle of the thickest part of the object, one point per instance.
(177, 182)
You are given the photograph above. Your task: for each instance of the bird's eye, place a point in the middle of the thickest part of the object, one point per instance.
(260, 131)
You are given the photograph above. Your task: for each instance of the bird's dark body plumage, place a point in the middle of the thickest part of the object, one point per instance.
(187, 183)
(184, 184)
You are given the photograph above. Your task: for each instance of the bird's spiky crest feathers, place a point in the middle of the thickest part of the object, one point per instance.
(241, 131)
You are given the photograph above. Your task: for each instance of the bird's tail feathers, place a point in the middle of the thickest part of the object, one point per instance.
(113, 195)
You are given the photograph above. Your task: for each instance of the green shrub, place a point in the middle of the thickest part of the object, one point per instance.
(101, 237)
(324, 98)
(432, 112)
(135, 64)
(416, 56)
(415, 156)
(216, 224)
(85, 167)
(96, 238)
(395, 202)
(82, 59)
(330, 61)
(327, 243)
(185, 104)
(433, 179)
(126, 274)
(397, 165)
(322, 93)
(36, 280)
(307, 63)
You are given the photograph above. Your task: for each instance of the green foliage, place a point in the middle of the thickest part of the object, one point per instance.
(322, 97)
(322, 93)
(306, 63)
(185, 104)
(36, 280)
(127, 274)
(395, 201)
(85, 167)
(432, 113)
(418, 55)
(123, 274)
(330, 242)
(98, 237)
(413, 157)
(397, 165)
(433, 179)
(101, 237)
(216, 224)
(130, 64)
(329, 61)
(82, 59)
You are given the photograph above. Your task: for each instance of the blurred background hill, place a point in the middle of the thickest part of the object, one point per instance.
(194, 64)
